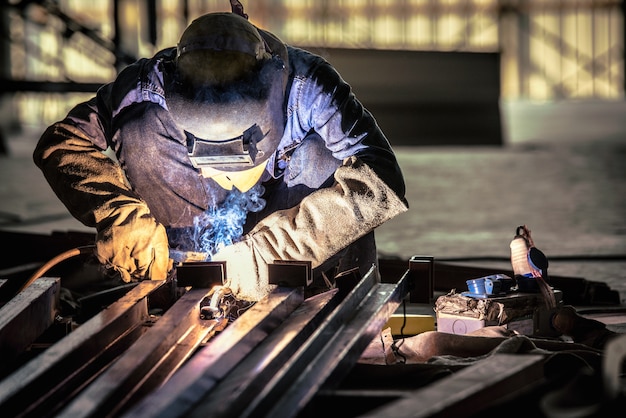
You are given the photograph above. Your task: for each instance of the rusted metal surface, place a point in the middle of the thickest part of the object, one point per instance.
(271, 361)
(122, 361)
(43, 384)
(326, 357)
(25, 317)
(248, 367)
(283, 357)
(149, 361)
(219, 356)
(468, 391)
(231, 396)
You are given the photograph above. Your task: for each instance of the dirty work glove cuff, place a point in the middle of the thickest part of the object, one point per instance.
(133, 243)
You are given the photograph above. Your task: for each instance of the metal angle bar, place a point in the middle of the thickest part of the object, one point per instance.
(234, 392)
(307, 353)
(334, 360)
(67, 364)
(26, 316)
(219, 356)
(469, 390)
(148, 362)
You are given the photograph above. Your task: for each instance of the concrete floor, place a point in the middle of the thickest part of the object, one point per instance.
(562, 172)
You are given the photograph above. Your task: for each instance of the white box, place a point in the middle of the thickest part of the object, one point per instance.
(524, 313)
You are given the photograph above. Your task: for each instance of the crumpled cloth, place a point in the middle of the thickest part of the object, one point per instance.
(439, 348)
(518, 344)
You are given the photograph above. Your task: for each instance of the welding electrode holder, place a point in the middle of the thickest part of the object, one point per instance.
(216, 304)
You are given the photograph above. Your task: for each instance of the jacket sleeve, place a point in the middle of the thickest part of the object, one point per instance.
(349, 129)
(94, 189)
(86, 180)
(70, 153)
(368, 188)
(323, 223)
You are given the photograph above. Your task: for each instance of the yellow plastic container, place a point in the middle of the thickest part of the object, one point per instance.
(415, 324)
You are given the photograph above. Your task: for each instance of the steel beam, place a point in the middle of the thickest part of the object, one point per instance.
(470, 390)
(156, 355)
(219, 356)
(25, 317)
(43, 384)
(234, 392)
(327, 357)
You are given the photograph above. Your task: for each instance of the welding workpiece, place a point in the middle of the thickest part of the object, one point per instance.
(220, 300)
(204, 274)
(290, 273)
(217, 304)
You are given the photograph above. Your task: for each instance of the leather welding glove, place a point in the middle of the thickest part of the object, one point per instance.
(94, 189)
(324, 223)
(132, 242)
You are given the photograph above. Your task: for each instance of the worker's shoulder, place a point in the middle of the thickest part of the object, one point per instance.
(304, 62)
(142, 67)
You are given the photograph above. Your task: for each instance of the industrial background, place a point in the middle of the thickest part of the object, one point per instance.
(502, 112)
(547, 49)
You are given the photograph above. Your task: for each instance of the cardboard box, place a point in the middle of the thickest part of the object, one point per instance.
(525, 313)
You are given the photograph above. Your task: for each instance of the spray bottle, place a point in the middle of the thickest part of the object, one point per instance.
(530, 266)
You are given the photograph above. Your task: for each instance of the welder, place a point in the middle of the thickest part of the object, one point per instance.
(230, 114)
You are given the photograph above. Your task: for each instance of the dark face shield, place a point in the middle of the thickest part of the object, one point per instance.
(241, 150)
(226, 94)
(233, 126)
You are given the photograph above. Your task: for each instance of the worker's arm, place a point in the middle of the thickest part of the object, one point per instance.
(368, 188)
(322, 224)
(327, 105)
(94, 189)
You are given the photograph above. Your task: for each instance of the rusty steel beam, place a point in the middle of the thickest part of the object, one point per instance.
(470, 390)
(232, 394)
(335, 347)
(155, 356)
(25, 317)
(43, 385)
(219, 356)
(271, 361)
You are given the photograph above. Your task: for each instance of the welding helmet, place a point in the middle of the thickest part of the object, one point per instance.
(227, 94)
